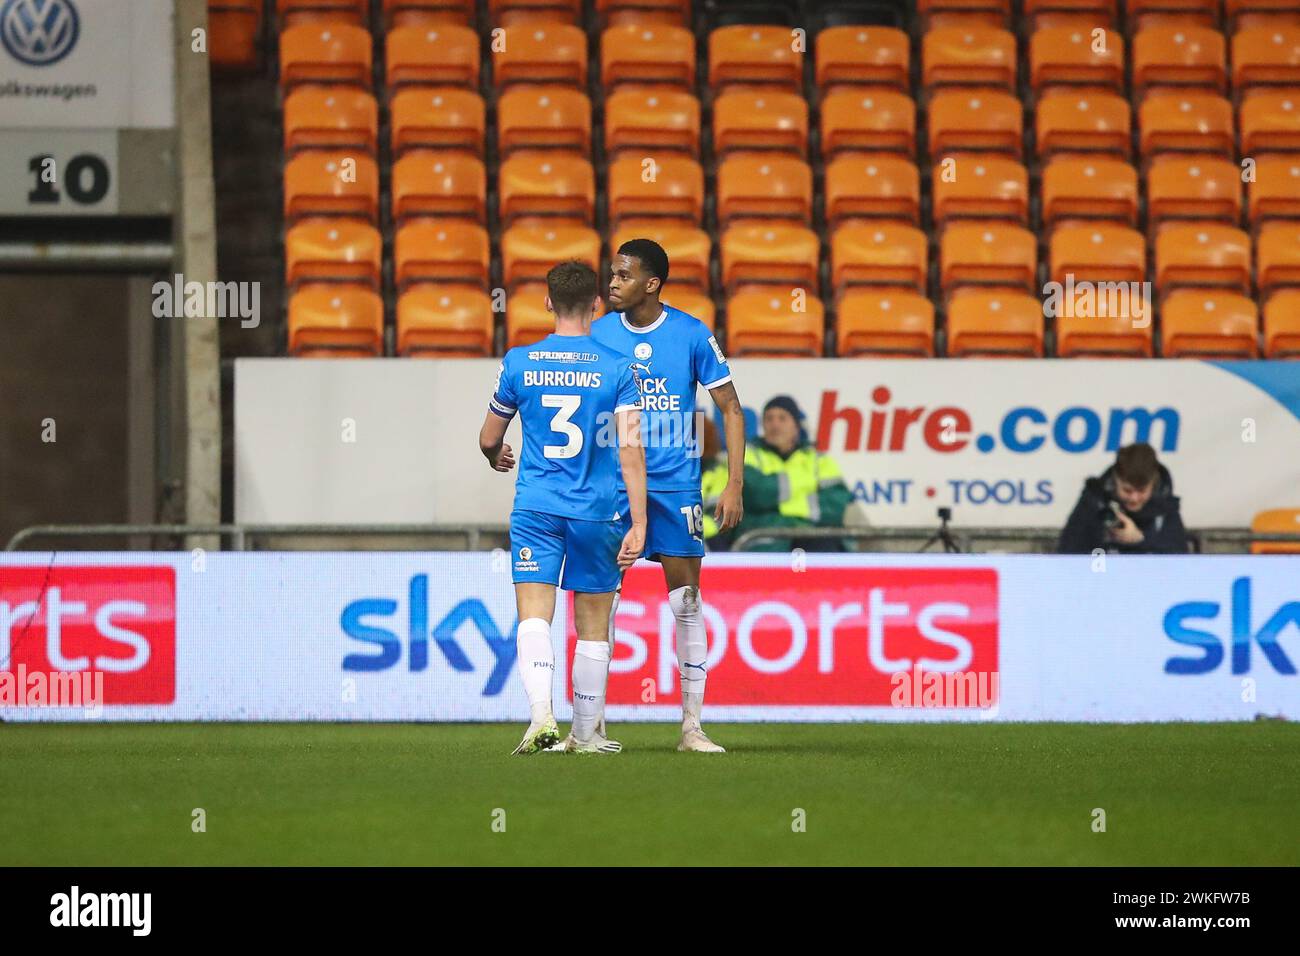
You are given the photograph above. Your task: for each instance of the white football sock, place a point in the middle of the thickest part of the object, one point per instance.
(692, 650)
(600, 717)
(590, 672)
(536, 665)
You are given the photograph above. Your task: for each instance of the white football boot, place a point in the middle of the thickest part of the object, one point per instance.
(598, 744)
(538, 737)
(696, 740)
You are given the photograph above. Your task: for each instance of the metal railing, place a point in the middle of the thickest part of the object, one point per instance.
(965, 537)
(243, 537)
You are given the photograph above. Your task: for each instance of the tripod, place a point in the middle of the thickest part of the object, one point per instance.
(944, 534)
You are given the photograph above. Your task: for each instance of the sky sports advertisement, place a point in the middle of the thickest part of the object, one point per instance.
(430, 637)
(1004, 444)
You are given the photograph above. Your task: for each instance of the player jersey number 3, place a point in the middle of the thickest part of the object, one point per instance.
(567, 406)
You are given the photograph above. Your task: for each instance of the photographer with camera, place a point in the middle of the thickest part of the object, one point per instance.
(1129, 509)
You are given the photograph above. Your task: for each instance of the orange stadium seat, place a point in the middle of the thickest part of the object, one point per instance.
(294, 12)
(1202, 254)
(885, 253)
(764, 253)
(769, 120)
(432, 54)
(446, 250)
(674, 191)
(647, 53)
(690, 250)
(543, 117)
(512, 12)
(652, 119)
(444, 118)
(333, 249)
(968, 56)
(1282, 325)
(754, 55)
(985, 187)
(1270, 122)
(994, 323)
(1165, 56)
(1266, 56)
(325, 53)
(528, 251)
(887, 323)
(872, 187)
(444, 322)
(1104, 336)
(975, 121)
(1144, 13)
(988, 253)
(527, 320)
(764, 187)
(1083, 122)
(1097, 252)
(541, 53)
(775, 324)
(336, 321)
(1089, 188)
(1199, 323)
(693, 302)
(1073, 56)
(429, 183)
(1276, 521)
(543, 183)
(1191, 122)
(1043, 13)
(233, 30)
(1275, 193)
(330, 117)
(868, 120)
(1277, 257)
(869, 56)
(675, 12)
(423, 12)
(331, 183)
(1195, 187)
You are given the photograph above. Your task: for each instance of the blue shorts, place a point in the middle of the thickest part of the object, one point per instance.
(588, 551)
(674, 523)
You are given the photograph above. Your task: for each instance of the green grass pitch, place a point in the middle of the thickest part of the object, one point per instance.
(304, 794)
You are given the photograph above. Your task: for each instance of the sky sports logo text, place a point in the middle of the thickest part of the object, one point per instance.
(115, 625)
(1240, 619)
(889, 425)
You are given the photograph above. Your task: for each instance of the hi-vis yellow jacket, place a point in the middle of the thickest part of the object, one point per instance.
(805, 489)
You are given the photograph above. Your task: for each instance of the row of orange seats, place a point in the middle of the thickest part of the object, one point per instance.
(455, 321)
(1177, 57)
(649, 119)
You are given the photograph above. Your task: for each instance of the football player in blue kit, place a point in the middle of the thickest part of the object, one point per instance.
(673, 353)
(579, 405)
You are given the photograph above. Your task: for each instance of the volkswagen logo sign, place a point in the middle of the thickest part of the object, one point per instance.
(39, 32)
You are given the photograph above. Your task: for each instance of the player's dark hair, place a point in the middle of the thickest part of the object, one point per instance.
(653, 258)
(1137, 465)
(572, 287)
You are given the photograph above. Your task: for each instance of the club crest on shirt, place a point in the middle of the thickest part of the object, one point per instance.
(643, 350)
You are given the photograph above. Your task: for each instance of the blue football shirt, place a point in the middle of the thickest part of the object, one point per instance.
(672, 356)
(567, 390)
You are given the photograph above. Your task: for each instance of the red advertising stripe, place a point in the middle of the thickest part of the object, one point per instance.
(118, 621)
(820, 636)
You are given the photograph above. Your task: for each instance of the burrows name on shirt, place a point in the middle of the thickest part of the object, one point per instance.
(551, 378)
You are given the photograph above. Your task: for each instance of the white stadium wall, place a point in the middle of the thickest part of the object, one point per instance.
(428, 637)
(1004, 443)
